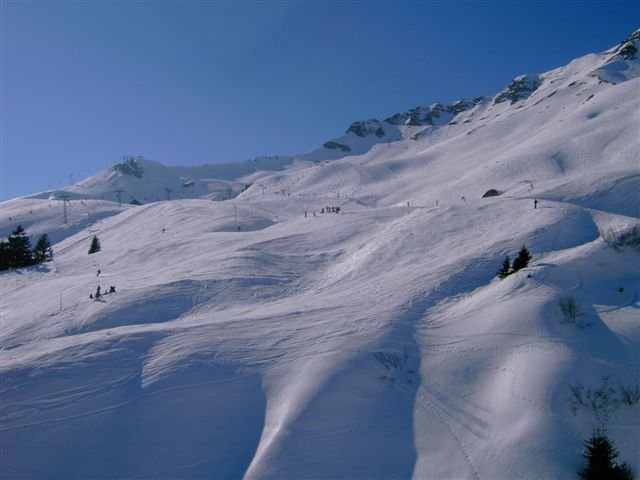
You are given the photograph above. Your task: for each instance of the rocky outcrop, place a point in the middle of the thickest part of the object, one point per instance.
(519, 89)
(434, 114)
(130, 166)
(628, 48)
(331, 145)
(367, 127)
(491, 193)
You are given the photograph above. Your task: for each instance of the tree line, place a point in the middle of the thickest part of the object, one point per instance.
(16, 251)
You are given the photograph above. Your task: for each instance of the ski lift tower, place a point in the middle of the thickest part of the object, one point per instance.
(119, 193)
(65, 198)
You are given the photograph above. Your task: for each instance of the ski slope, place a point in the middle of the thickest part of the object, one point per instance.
(260, 338)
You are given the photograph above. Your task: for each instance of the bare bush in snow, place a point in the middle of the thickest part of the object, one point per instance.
(394, 364)
(571, 310)
(630, 394)
(619, 237)
(603, 400)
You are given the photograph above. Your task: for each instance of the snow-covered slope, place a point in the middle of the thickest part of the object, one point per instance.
(260, 338)
(139, 181)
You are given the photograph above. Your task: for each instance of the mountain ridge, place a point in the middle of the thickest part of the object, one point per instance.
(614, 65)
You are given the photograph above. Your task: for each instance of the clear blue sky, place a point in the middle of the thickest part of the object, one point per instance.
(193, 82)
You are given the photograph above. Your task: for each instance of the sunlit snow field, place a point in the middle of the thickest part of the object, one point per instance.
(258, 337)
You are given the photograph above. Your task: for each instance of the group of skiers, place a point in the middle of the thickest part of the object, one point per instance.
(99, 293)
(330, 210)
(324, 210)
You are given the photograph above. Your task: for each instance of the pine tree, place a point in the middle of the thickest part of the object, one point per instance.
(506, 268)
(43, 252)
(601, 454)
(522, 260)
(19, 249)
(4, 255)
(95, 245)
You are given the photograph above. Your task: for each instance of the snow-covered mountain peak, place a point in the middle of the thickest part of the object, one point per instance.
(621, 63)
(628, 48)
(137, 179)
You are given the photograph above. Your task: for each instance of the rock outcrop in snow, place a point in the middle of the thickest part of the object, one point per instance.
(368, 127)
(520, 88)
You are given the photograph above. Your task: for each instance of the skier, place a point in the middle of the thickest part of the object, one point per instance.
(98, 274)
(535, 203)
(97, 295)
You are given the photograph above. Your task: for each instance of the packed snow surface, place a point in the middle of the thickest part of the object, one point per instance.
(267, 336)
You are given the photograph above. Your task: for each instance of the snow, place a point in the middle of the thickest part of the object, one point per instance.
(249, 340)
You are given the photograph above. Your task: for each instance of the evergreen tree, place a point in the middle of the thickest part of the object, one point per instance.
(506, 268)
(19, 249)
(4, 255)
(43, 252)
(95, 245)
(522, 260)
(601, 454)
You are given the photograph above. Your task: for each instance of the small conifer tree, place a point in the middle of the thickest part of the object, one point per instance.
(601, 455)
(95, 245)
(506, 268)
(43, 252)
(522, 260)
(19, 249)
(4, 255)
